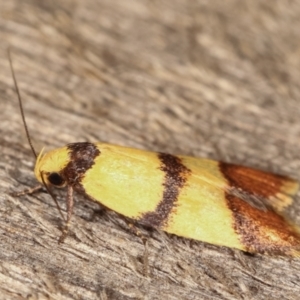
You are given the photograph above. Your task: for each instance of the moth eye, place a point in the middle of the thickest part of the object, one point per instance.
(56, 179)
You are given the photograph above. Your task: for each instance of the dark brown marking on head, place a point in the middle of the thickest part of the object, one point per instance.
(259, 183)
(82, 158)
(176, 174)
(262, 231)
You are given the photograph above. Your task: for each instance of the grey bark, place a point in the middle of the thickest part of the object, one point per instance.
(204, 78)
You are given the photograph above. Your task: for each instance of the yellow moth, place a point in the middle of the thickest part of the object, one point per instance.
(206, 200)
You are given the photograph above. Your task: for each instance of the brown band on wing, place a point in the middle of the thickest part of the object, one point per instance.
(82, 158)
(176, 174)
(262, 231)
(253, 181)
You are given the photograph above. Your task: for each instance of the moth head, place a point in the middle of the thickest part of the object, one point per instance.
(49, 167)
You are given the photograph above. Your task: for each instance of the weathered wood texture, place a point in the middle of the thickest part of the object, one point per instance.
(218, 79)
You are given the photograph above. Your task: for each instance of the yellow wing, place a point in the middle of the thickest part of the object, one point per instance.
(202, 199)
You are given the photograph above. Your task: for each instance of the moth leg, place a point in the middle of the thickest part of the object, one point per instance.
(145, 258)
(133, 229)
(70, 204)
(28, 191)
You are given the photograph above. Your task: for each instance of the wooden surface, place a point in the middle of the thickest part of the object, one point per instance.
(205, 78)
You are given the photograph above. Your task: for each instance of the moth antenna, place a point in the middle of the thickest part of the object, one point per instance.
(20, 103)
(27, 131)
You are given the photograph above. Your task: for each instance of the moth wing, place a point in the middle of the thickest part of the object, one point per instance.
(252, 200)
(260, 189)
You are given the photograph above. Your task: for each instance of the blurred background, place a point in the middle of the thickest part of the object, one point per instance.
(204, 78)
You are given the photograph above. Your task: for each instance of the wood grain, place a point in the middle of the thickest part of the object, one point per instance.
(206, 78)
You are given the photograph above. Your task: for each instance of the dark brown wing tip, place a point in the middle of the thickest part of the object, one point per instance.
(276, 188)
(264, 232)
